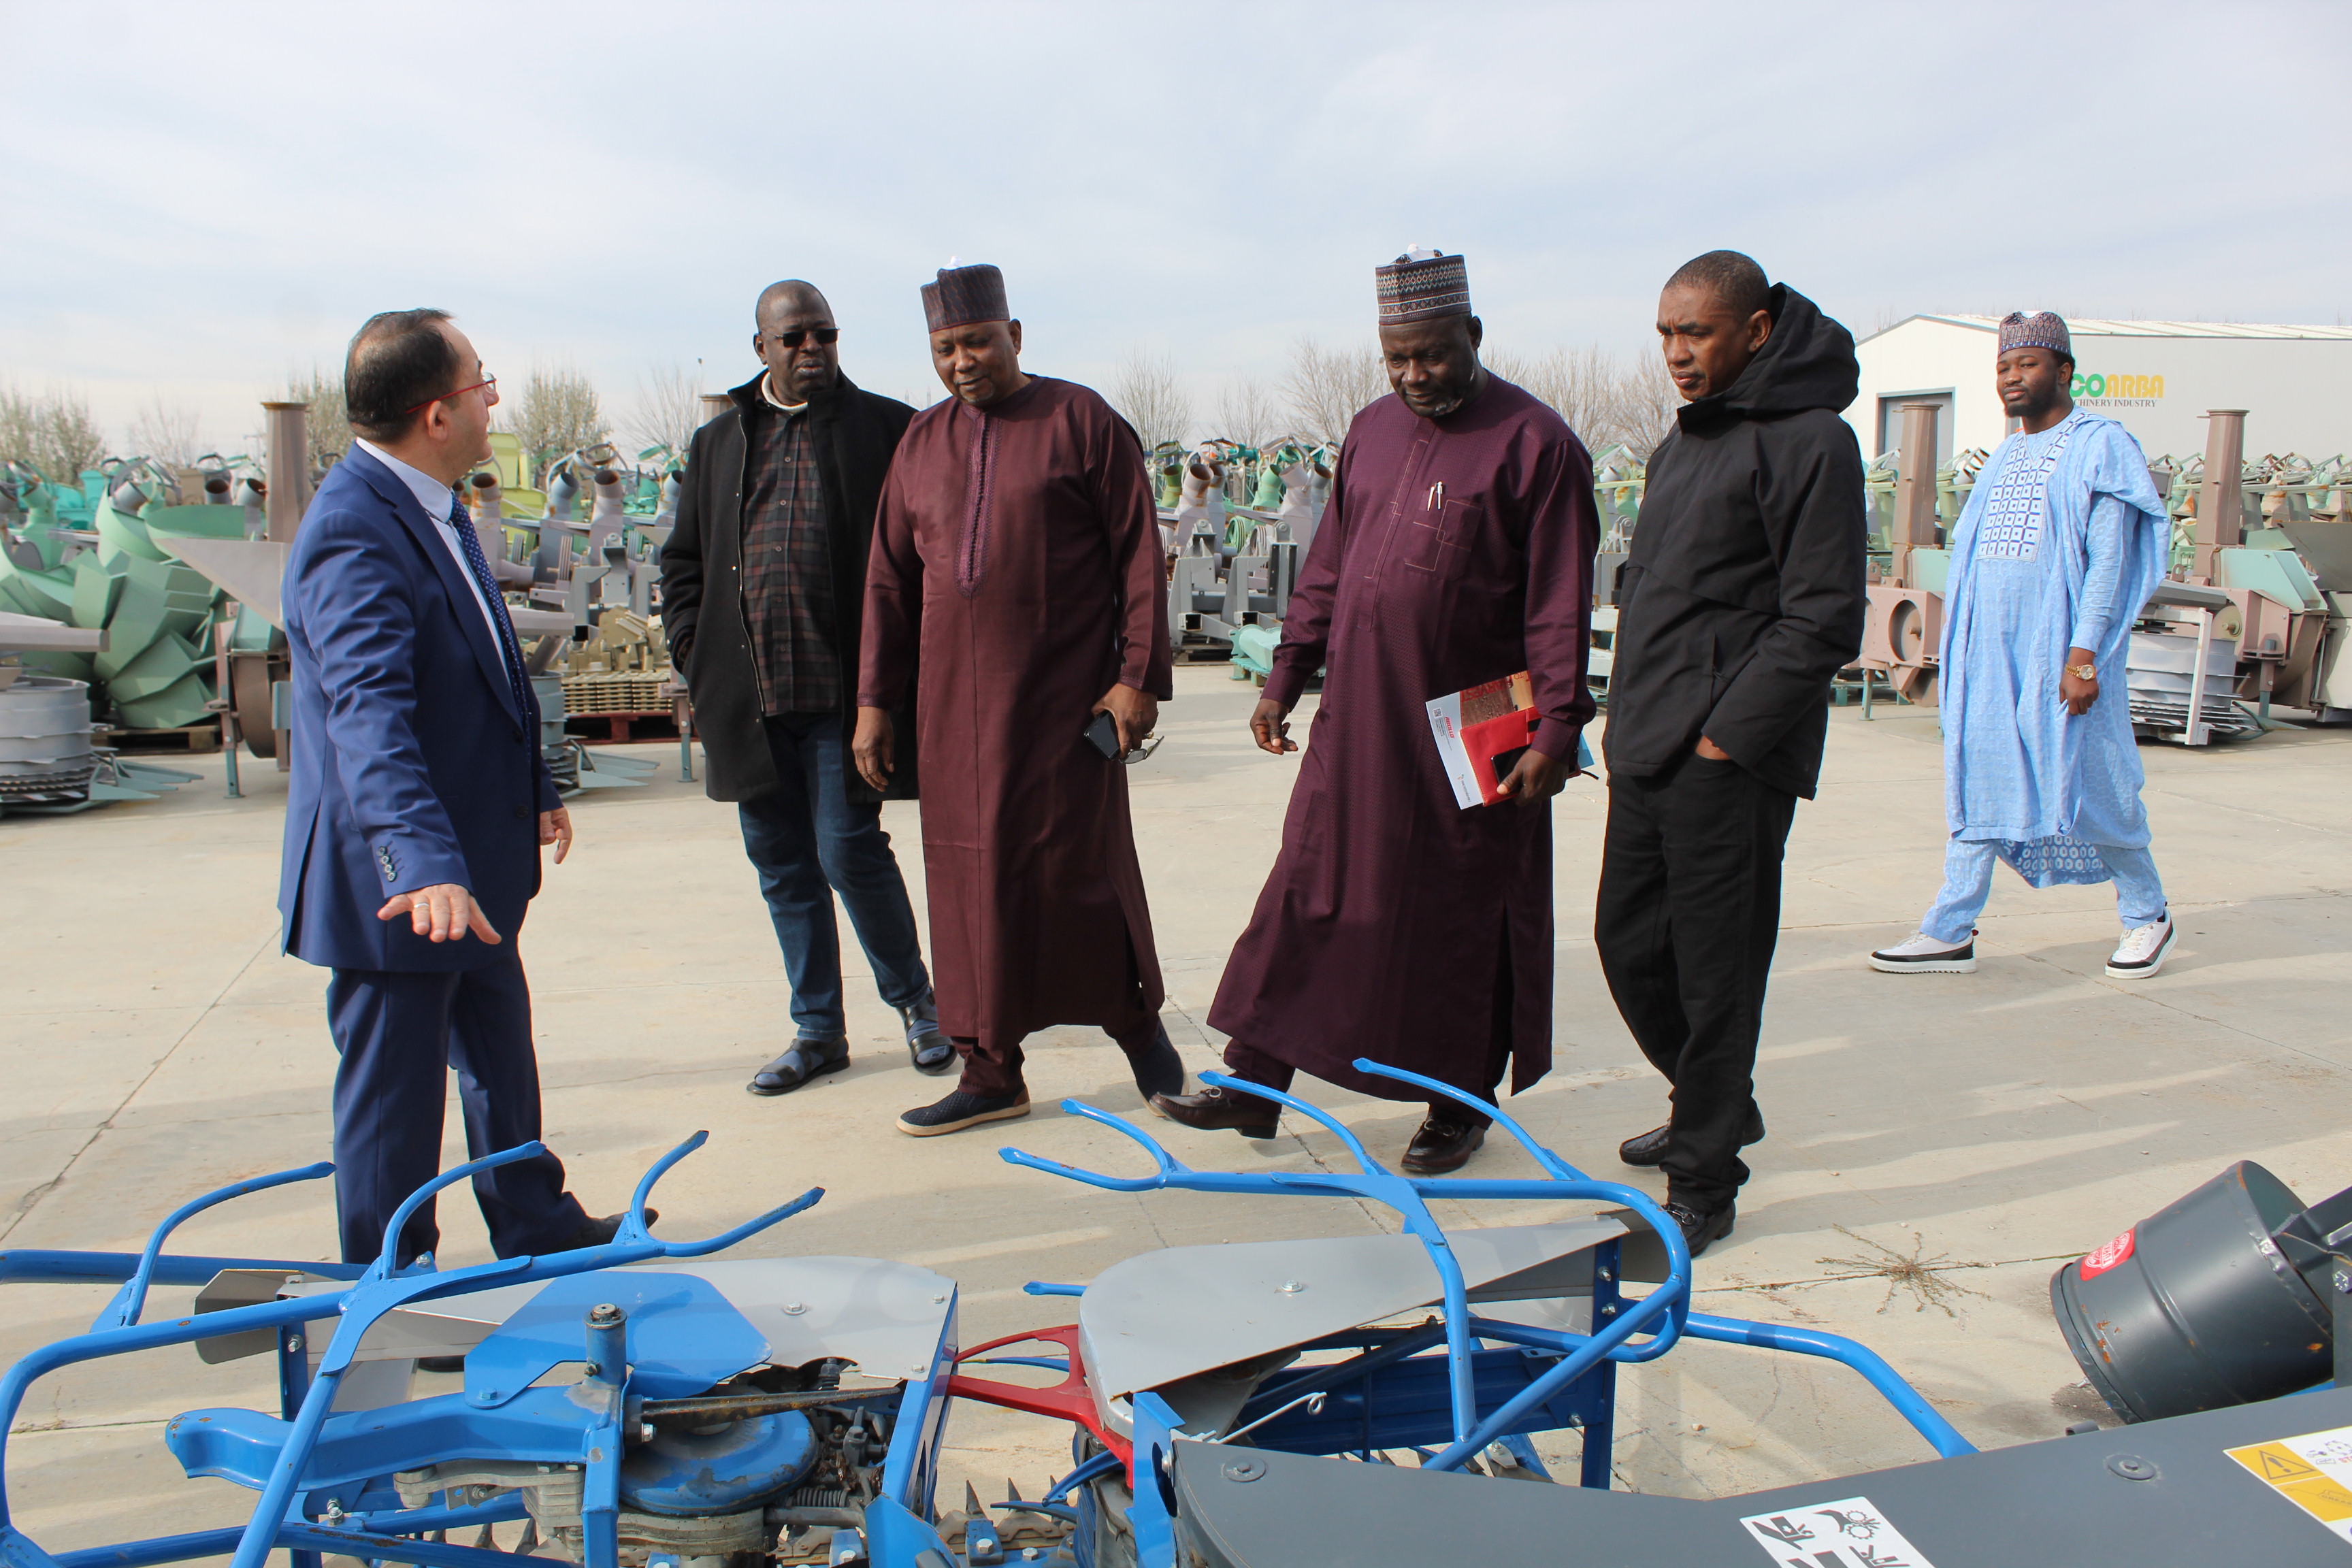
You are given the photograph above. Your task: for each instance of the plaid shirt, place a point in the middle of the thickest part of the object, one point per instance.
(788, 567)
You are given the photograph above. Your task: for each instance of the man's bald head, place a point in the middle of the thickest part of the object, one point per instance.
(796, 338)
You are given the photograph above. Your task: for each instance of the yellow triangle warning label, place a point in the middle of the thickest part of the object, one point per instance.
(2273, 1463)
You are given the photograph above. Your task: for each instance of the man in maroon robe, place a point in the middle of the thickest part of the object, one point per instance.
(1016, 579)
(1397, 925)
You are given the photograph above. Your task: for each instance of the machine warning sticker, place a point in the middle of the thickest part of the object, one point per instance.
(2314, 1472)
(1848, 1533)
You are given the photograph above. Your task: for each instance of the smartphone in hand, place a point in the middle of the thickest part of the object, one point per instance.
(1102, 735)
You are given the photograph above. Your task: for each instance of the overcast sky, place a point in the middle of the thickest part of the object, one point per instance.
(202, 197)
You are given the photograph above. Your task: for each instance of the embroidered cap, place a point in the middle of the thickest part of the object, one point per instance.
(1421, 286)
(962, 296)
(2042, 330)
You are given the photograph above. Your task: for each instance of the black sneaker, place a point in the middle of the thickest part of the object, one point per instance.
(962, 1109)
(1699, 1229)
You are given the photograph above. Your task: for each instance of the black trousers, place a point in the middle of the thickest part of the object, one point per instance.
(399, 1035)
(1689, 914)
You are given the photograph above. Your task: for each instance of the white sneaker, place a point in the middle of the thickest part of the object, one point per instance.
(1923, 954)
(2143, 951)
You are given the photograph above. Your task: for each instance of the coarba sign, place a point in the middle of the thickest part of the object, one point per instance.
(2116, 391)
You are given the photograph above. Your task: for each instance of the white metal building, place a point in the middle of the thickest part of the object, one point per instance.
(2157, 377)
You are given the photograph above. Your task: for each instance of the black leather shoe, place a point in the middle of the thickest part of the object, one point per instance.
(810, 1058)
(1698, 1230)
(1216, 1107)
(1650, 1148)
(597, 1232)
(1442, 1146)
(1159, 1070)
(932, 1052)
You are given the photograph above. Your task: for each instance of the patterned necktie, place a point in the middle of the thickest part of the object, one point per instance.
(479, 564)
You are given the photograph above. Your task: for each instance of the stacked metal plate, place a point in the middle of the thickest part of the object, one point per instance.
(2162, 669)
(45, 757)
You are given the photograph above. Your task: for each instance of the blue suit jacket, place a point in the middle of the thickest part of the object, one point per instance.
(410, 765)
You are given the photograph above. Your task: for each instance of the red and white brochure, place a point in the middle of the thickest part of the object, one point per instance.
(1480, 733)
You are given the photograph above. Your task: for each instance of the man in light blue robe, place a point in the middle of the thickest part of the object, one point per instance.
(2060, 545)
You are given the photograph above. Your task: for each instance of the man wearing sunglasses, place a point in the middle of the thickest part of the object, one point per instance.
(763, 584)
(417, 804)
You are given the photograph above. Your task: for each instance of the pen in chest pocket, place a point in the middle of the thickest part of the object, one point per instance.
(1436, 497)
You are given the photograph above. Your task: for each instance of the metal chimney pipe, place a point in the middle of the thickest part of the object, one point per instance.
(1915, 489)
(288, 437)
(2221, 500)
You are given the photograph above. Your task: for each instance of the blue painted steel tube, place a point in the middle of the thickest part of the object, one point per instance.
(36, 1266)
(359, 1543)
(218, 1542)
(125, 1308)
(1907, 1401)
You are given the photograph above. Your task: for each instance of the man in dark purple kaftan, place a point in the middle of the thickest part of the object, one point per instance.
(1397, 925)
(1016, 579)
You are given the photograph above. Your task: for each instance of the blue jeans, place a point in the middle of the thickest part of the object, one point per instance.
(807, 841)
(1967, 882)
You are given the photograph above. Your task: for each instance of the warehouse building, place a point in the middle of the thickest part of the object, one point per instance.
(2157, 377)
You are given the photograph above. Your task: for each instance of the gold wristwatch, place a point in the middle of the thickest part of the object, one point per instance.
(2084, 671)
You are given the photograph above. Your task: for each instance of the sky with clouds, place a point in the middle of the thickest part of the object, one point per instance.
(202, 197)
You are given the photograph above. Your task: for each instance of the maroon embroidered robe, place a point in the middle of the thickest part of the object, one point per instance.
(1395, 923)
(1016, 576)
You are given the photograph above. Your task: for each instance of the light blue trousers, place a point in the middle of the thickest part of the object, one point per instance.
(1967, 882)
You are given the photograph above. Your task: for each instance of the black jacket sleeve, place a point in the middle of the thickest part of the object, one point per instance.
(1817, 520)
(681, 556)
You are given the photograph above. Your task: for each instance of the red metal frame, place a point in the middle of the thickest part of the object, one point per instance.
(1068, 1400)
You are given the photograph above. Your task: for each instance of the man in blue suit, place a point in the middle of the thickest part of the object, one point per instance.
(417, 804)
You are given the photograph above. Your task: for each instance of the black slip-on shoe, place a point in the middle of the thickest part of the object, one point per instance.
(1650, 1148)
(1700, 1229)
(932, 1052)
(809, 1057)
(1159, 1070)
(1218, 1108)
(962, 1109)
(1440, 1146)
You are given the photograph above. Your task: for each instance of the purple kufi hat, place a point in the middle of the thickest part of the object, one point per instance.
(1421, 286)
(2042, 330)
(962, 296)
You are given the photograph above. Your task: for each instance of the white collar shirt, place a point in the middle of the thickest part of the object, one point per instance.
(440, 504)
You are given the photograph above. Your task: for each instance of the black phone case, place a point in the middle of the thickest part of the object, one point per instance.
(1102, 735)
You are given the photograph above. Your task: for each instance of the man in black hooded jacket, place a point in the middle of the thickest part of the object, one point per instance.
(1742, 599)
(764, 586)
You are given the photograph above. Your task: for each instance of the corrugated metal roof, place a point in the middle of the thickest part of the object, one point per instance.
(2092, 327)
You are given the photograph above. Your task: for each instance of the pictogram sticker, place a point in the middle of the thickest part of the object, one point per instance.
(2313, 1471)
(2097, 1263)
(1849, 1533)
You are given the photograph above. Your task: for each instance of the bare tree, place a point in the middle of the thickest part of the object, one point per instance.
(668, 409)
(1642, 413)
(330, 417)
(1606, 398)
(1249, 413)
(557, 413)
(167, 432)
(1326, 388)
(1148, 395)
(54, 432)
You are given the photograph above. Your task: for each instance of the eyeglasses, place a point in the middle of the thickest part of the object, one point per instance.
(490, 383)
(799, 335)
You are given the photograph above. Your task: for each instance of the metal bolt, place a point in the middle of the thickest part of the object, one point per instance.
(293, 1342)
(1607, 1273)
(2132, 1468)
(1291, 1286)
(794, 1308)
(941, 1297)
(1244, 1471)
(603, 1315)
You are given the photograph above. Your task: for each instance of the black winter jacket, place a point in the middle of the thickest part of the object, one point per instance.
(1743, 592)
(856, 433)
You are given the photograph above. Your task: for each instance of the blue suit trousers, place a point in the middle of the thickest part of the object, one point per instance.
(399, 1033)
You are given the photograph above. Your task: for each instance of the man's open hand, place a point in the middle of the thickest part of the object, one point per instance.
(873, 746)
(1535, 780)
(1270, 727)
(555, 828)
(1134, 712)
(443, 912)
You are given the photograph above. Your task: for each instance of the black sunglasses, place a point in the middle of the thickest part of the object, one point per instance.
(800, 335)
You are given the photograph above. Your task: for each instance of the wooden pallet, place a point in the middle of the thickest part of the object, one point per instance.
(205, 736)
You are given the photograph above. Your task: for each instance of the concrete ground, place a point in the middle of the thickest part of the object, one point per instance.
(1938, 1144)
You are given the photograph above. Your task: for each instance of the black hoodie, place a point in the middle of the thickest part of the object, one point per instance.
(1743, 595)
